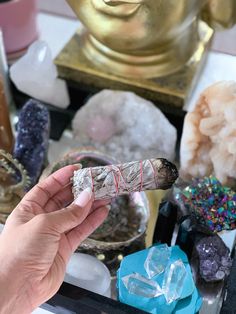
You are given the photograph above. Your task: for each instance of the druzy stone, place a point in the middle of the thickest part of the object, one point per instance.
(142, 286)
(210, 202)
(32, 138)
(214, 258)
(125, 125)
(157, 260)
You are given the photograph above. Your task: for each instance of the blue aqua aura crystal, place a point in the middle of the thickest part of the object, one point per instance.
(32, 138)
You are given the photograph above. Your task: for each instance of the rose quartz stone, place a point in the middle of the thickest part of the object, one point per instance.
(100, 129)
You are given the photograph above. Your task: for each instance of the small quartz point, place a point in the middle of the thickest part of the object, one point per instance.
(142, 286)
(157, 260)
(173, 282)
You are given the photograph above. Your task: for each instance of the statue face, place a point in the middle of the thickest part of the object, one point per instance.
(127, 25)
(117, 8)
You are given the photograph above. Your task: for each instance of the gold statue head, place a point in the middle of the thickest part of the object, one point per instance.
(147, 37)
(135, 25)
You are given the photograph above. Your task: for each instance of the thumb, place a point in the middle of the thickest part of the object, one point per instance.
(70, 217)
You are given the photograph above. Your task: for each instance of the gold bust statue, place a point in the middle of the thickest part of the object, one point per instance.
(147, 38)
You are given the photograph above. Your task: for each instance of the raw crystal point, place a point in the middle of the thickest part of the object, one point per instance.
(125, 125)
(139, 285)
(173, 282)
(214, 258)
(157, 260)
(35, 74)
(32, 138)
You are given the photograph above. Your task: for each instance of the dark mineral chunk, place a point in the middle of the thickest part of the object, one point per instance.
(32, 138)
(214, 258)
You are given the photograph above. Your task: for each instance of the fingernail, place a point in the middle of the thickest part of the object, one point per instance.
(79, 166)
(84, 197)
(108, 207)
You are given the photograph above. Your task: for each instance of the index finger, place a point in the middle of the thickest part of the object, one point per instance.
(46, 189)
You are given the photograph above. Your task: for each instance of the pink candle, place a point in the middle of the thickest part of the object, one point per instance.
(18, 23)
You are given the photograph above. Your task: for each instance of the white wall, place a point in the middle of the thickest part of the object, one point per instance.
(59, 7)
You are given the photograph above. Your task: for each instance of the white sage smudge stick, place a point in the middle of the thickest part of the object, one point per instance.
(109, 181)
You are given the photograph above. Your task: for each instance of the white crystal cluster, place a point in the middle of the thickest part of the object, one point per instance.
(157, 262)
(208, 143)
(35, 74)
(125, 126)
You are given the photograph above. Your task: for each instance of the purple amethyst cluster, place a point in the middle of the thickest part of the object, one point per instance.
(32, 138)
(214, 258)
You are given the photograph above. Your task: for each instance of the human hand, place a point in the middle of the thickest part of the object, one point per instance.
(38, 239)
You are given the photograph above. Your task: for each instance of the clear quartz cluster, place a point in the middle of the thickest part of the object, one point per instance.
(157, 262)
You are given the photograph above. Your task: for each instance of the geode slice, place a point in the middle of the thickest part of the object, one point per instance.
(214, 258)
(32, 138)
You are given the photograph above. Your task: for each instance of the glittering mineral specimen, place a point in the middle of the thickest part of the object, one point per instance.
(212, 203)
(32, 138)
(214, 259)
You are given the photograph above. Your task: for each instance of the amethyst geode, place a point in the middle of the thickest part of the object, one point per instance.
(214, 258)
(32, 138)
